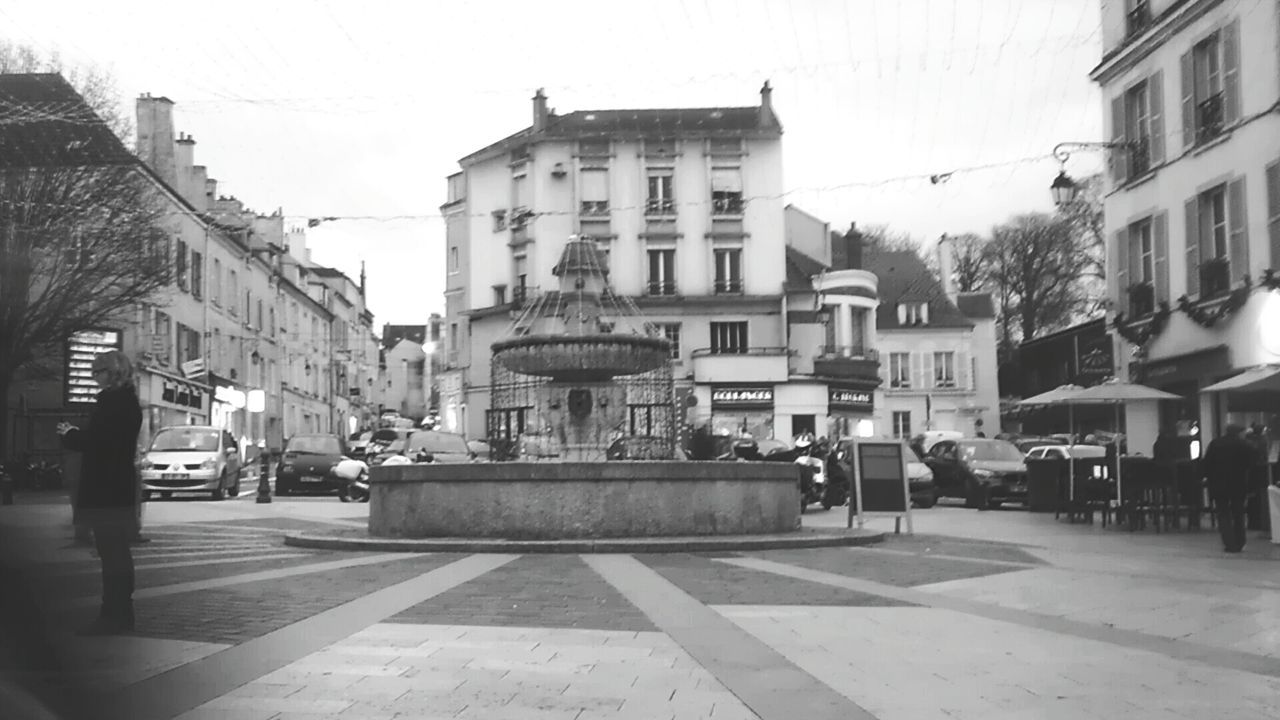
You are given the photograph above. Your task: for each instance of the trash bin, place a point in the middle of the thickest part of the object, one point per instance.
(1273, 502)
(1044, 483)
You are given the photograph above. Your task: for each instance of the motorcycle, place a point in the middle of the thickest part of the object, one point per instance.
(354, 476)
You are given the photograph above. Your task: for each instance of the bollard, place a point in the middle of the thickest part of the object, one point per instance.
(264, 483)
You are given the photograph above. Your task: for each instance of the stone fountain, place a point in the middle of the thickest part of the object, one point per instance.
(579, 369)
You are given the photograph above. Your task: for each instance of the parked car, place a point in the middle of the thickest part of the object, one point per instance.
(191, 458)
(358, 443)
(481, 449)
(306, 462)
(920, 484)
(386, 443)
(979, 470)
(435, 446)
(1027, 444)
(1062, 452)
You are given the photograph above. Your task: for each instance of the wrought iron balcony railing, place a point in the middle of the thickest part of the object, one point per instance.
(728, 287)
(1215, 278)
(849, 351)
(661, 288)
(660, 206)
(595, 207)
(1139, 156)
(731, 205)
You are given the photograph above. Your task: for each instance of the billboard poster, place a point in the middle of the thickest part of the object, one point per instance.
(82, 348)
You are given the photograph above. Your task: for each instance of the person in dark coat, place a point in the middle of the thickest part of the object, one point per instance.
(1227, 464)
(108, 492)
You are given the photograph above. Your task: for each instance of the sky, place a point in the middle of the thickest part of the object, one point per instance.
(359, 110)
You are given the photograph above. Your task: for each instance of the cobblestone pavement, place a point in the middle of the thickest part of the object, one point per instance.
(979, 615)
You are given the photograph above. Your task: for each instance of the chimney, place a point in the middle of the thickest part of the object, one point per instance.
(210, 194)
(199, 181)
(539, 111)
(184, 159)
(155, 137)
(946, 266)
(768, 119)
(362, 278)
(847, 253)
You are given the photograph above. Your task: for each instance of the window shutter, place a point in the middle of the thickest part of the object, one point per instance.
(917, 370)
(1273, 212)
(927, 370)
(962, 370)
(1188, 101)
(1238, 230)
(1155, 98)
(1160, 247)
(902, 314)
(1120, 270)
(1231, 72)
(1193, 246)
(1119, 154)
(1134, 266)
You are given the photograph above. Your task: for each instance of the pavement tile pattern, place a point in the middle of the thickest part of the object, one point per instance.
(533, 591)
(890, 568)
(715, 583)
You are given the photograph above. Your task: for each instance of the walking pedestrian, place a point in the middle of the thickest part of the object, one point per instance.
(108, 485)
(1227, 464)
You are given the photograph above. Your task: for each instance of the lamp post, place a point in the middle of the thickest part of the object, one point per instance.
(1064, 189)
(428, 350)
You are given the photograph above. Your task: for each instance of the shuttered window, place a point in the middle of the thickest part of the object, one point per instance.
(1211, 85)
(1273, 212)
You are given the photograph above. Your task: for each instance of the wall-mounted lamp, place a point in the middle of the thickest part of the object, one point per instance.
(1064, 189)
(558, 171)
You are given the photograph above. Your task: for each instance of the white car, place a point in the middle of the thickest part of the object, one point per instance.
(191, 458)
(1062, 452)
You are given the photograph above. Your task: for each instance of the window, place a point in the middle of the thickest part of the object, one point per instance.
(1273, 211)
(1138, 132)
(670, 331)
(1137, 16)
(188, 344)
(726, 191)
(248, 307)
(215, 359)
(233, 292)
(499, 294)
(259, 324)
(729, 338)
(661, 200)
(662, 272)
(944, 369)
(913, 313)
(453, 259)
(519, 187)
(1211, 85)
(593, 148)
(901, 424)
(180, 269)
(1217, 242)
(520, 289)
(457, 188)
(162, 338)
(197, 274)
(453, 337)
(271, 321)
(499, 220)
(215, 283)
(1142, 268)
(900, 370)
(595, 191)
(728, 271)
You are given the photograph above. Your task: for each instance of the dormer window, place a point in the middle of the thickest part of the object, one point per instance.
(913, 313)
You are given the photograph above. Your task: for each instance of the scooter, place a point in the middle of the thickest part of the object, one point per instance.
(354, 474)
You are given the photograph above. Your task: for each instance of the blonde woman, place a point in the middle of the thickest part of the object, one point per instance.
(108, 486)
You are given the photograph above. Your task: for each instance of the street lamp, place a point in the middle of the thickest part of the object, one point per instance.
(428, 349)
(1064, 189)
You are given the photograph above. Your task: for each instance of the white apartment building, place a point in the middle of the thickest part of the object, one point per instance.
(1191, 91)
(685, 205)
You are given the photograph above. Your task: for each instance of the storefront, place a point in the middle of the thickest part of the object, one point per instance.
(170, 400)
(228, 403)
(849, 412)
(1184, 375)
(738, 409)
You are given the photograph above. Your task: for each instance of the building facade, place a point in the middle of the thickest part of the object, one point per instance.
(1193, 205)
(685, 207)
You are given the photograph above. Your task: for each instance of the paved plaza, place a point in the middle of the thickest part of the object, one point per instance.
(977, 615)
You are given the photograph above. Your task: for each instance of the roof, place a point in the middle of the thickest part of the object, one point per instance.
(800, 270)
(658, 122)
(976, 305)
(393, 334)
(44, 122)
(903, 277)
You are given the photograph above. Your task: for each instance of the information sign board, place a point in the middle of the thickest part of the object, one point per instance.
(880, 482)
(82, 348)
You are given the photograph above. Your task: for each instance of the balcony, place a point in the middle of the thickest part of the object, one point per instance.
(594, 208)
(848, 362)
(660, 206)
(728, 287)
(1209, 118)
(754, 364)
(1215, 277)
(727, 204)
(1138, 19)
(1142, 299)
(656, 287)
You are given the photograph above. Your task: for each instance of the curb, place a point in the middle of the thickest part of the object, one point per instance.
(803, 539)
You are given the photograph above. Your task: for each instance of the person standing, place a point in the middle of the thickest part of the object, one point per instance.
(107, 497)
(1227, 464)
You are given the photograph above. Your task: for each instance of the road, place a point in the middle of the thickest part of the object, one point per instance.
(977, 615)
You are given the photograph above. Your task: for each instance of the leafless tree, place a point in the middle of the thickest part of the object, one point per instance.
(971, 262)
(1084, 217)
(1035, 265)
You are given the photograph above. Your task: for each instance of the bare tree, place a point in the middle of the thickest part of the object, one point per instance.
(1036, 262)
(95, 85)
(1084, 217)
(882, 238)
(971, 262)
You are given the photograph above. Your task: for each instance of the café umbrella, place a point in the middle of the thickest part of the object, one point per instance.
(1058, 396)
(1117, 392)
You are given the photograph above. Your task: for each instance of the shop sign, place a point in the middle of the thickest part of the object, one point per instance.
(1095, 361)
(741, 397)
(182, 394)
(843, 399)
(229, 395)
(82, 348)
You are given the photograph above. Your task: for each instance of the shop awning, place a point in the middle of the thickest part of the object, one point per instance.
(1263, 377)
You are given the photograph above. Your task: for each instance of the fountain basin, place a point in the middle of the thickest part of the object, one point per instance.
(582, 358)
(551, 501)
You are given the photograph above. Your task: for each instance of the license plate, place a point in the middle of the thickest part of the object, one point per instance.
(173, 476)
(312, 479)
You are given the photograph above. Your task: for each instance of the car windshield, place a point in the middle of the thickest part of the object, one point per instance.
(188, 439)
(990, 450)
(317, 444)
(385, 436)
(435, 442)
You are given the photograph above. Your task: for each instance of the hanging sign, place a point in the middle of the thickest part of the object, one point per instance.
(82, 348)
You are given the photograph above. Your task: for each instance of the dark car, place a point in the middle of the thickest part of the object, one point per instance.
(386, 443)
(306, 463)
(438, 447)
(979, 470)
